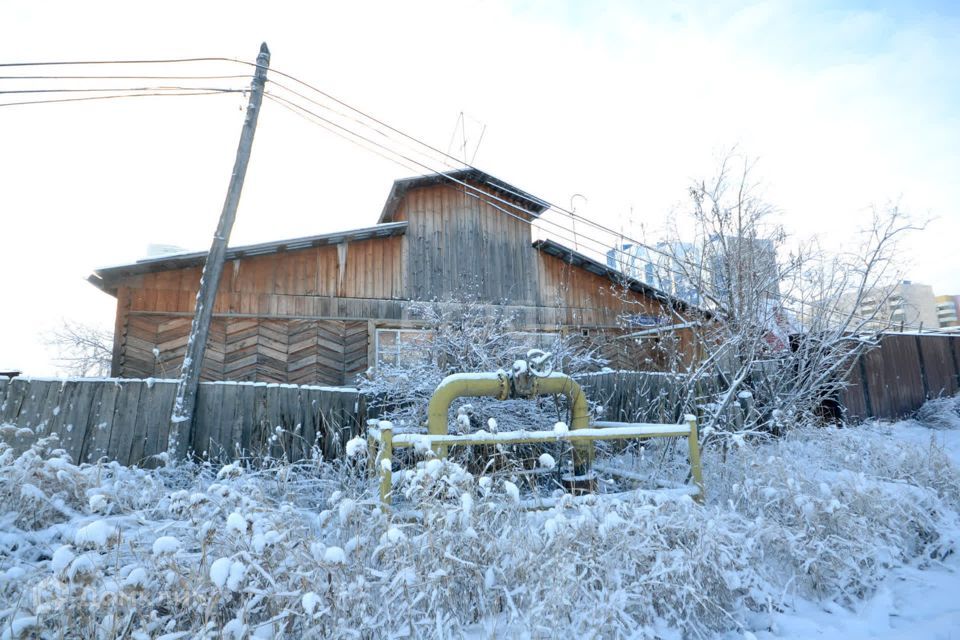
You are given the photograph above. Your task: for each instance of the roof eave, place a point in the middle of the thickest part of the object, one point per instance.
(104, 277)
(595, 267)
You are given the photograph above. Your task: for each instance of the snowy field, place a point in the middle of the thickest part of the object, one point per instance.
(828, 533)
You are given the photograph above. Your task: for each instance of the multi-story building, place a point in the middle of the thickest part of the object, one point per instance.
(912, 305)
(948, 310)
(671, 267)
(904, 305)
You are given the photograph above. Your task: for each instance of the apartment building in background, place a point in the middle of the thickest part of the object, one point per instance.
(672, 267)
(905, 305)
(948, 310)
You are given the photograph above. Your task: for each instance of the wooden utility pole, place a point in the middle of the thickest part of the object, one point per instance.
(213, 268)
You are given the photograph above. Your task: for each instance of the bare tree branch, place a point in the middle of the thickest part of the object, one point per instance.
(82, 350)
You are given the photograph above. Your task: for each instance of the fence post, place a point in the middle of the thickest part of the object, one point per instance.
(923, 370)
(695, 471)
(385, 464)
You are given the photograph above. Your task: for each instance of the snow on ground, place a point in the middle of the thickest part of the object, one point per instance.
(850, 533)
(910, 602)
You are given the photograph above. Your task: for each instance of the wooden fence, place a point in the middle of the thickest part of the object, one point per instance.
(891, 381)
(128, 420)
(635, 396)
(905, 371)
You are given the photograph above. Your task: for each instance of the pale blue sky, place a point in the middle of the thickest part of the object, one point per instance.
(844, 103)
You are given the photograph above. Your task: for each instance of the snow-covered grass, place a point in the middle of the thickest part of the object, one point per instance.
(797, 534)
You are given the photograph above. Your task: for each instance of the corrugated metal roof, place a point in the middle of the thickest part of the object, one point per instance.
(529, 203)
(101, 277)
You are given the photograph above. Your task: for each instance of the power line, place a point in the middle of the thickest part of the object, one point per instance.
(113, 89)
(486, 195)
(604, 246)
(115, 77)
(564, 212)
(141, 61)
(124, 95)
(470, 190)
(410, 164)
(306, 115)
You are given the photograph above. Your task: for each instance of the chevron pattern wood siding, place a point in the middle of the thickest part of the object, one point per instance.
(327, 352)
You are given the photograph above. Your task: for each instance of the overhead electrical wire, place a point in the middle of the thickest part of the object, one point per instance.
(603, 246)
(115, 90)
(291, 105)
(123, 95)
(64, 63)
(573, 216)
(115, 77)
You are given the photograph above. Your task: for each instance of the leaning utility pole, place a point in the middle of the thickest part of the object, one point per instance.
(213, 268)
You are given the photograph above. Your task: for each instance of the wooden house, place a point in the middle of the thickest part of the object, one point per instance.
(322, 309)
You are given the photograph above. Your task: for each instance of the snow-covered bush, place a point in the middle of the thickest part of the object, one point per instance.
(280, 550)
(467, 336)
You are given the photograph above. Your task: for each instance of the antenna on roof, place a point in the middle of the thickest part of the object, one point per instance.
(573, 219)
(462, 146)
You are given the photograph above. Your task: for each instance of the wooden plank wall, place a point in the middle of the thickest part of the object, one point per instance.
(298, 316)
(454, 244)
(275, 283)
(128, 420)
(905, 371)
(327, 352)
(457, 243)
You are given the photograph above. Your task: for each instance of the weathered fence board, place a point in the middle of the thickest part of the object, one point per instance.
(938, 364)
(901, 374)
(636, 396)
(129, 420)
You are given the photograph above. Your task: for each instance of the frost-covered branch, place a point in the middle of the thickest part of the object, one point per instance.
(82, 349)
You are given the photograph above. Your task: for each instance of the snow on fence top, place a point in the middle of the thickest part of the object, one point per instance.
(128, 420)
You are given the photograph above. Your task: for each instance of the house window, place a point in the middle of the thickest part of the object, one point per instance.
(403, 347)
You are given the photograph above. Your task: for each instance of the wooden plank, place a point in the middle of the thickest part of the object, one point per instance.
(292, 421)
(326, 433)
(938, 365)
(48, 402)
(206, 439)
(101, 421)
(231, 420)
(158, 430)
(84, 454)
(248, 408)
(853, 398)
(273, 417)
(309, 401)
(260, 427)
(29, 415)
(147, 414)
(78, 398)
(121, 435)
(221, 428)
(17, 392)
